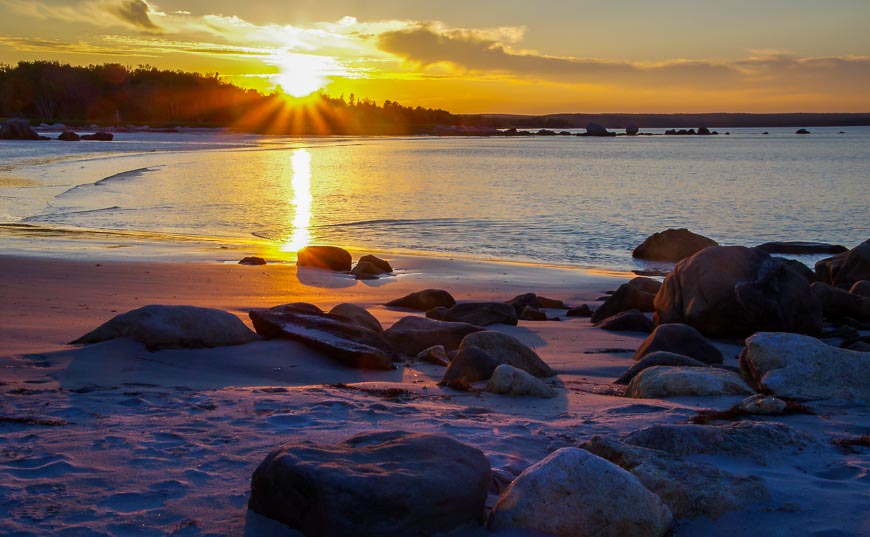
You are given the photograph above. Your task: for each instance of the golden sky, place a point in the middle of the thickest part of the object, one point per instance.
(482, 56)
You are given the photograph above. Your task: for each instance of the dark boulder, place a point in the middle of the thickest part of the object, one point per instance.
(861, 288)
(439, 313)
(703, 131)
(435, 354)
(631, 129)
(359, 315)
(410, 335)
(798, 267)
(297, 306)
(334, 335)
(734, 291)
(69, 136)
(854, 266)
(509, 350)
(471, 364)
(801, 248)
(382, 264)
(19, 129)
(838, 303)
(627, 297)
(520, 302)
(99, 137)
(802, 131)
(627, 321)
(366, 271)
(594, 129)
(532, 314)
(252, 260)
(679, 339)
(324, 257)
(583, 310)
(827, 269)
(424, 300)
(658, 358)
(382, 484)
(482, 313)
(672, 245)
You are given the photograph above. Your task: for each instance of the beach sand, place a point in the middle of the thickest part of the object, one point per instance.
(120, 441)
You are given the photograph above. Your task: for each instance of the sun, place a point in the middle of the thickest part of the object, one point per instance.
(302, 74)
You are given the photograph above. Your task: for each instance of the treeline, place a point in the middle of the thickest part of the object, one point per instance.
(115, 95)
(652, 121)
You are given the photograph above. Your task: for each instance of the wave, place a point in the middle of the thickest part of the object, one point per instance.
(123, 176)
(48, 217)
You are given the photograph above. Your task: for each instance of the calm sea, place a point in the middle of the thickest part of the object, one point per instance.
(554, 200)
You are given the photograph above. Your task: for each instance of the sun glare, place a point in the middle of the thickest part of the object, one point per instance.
(301, 182)
(302, 74)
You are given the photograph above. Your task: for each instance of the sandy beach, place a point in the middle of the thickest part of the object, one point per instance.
(111, 439)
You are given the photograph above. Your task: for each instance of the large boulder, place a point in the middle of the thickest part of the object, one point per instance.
(803, 368)
(637, 294)
(160, 327)
(838, 303)
(689, 489)
(482, 313)
(801, 248)
(470, 365)
(381, 264)
(679, 339)
(672, 245)
(508, 350)
(508, 380)
(573, 493)
(383, 484)
(669, 381)
(657, 358)
(324, 257)
(18, 129)
(847, 268)
(734, 291)
(424, 300)
(410, 335)
(337, 336)
(359, 315)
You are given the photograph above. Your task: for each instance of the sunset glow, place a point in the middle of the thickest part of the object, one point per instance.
(301, 182)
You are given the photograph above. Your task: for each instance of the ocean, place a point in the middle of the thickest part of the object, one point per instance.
(567, 201)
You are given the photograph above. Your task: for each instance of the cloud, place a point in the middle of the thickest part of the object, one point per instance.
(135, 13)
(34, 44)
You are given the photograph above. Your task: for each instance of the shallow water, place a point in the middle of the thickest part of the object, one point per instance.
(558, 200)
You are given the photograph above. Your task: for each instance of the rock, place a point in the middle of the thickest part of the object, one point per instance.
(366, 271)
(855, 267)
(551, 303)
(798, 267)
(734, 291)
(859, 346)
(689, 489)
(508, 380)
(582, 310)
(410, 335)
(358, 315)
(324, 257)
(482, 313)
(573, 493)
(18, 129)
(382, 264)
(703, 131)
(658, 358)
(631, 129)
(861, 288)
(471, 364)
(802, 131)
(764, 405)
(531, 314)
(161, 327)
(594, 129)
(801, 248)
(668, 381)
(627, 321)
(520, 302)
(334, 335)
(69, 136)
(680, 339)
(838, 303)
(799, 367)
(424, 300)
(252, 260)
(297, 306)
(436, 354)
(672, 245)
(759, 441)
(438, 314)
(508, 350)
(382, 484)
(99, 136)
(826, 269)
(627, 297)
(647, 285)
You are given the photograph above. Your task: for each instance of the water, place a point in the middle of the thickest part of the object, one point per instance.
(581, 202)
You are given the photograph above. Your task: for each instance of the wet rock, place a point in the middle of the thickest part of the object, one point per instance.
(801, 248)
(69, 136)
(733, 291)
(680, 339)
(366, 271)
(838, 303)
(471, 364)
(162, 327)
(324, 257)
(764, 405)
(18, 129)
(358, 315)
(336, 336)
(627, 297)
(627, 321)
(436, 354)
(668, 381)
(410, 335)
(99, 136)
(658, 358)
(252, 260)
(383, 484)
(531, 314)
(482, 313)
(672, 245)
(583, 310)
(573, 493)
(759, 441)
(508, 350)
(508, 380)
(424, 300)
(689, 489)
(382, 264)
(800, 367)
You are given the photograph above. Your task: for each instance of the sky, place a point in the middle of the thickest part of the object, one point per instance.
(481, 56)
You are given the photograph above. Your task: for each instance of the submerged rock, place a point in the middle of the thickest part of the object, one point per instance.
(383, 484)
(573, 493)
(324, 257)
(161, 327)
(801, 248)
(410, 335)
(508, 350)
(508, 380)
(680, 339)
(424, 300)
(668, 381)
(672, 245)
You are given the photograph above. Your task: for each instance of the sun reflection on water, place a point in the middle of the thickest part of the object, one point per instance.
(301, 182)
